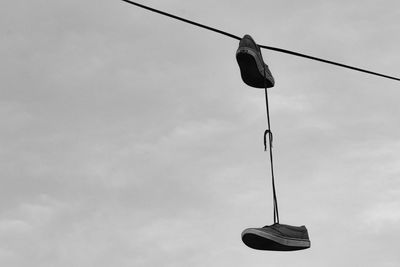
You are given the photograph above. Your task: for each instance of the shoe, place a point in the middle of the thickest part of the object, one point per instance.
(253, 70)
(277, 237)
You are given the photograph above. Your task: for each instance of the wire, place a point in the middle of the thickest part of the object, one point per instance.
(327, 61)
(261, 46)
(182, 19)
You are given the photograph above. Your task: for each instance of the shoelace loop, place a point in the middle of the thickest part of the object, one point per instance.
(268, 131)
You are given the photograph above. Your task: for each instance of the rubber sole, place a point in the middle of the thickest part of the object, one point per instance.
(249, 68)
(262, 240)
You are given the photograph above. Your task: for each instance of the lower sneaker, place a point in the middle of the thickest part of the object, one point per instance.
(253, 70)
(277, 237)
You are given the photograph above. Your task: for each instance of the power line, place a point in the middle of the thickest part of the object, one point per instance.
(184, 20)
(261, 46)
(327, 61)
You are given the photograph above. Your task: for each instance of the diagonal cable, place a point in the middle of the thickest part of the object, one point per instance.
(327, 61)
(261, 46)
(182, 19)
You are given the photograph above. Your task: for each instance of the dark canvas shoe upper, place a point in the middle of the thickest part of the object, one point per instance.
(278, 237)
(288, 230)
(253, 70)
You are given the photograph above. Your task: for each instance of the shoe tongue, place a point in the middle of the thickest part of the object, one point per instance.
(272, 225)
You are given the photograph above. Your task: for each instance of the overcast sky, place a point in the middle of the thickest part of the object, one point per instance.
(129, 139)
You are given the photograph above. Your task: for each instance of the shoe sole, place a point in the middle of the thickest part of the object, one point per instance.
(250, 68)
(261, 240)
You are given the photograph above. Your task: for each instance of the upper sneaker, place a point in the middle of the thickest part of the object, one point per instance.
(278, 237)
(253, 70)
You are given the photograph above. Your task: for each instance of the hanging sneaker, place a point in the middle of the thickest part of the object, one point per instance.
(277, 237)
(253, 70)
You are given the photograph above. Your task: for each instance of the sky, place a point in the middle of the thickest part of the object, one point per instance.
(129, 139)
